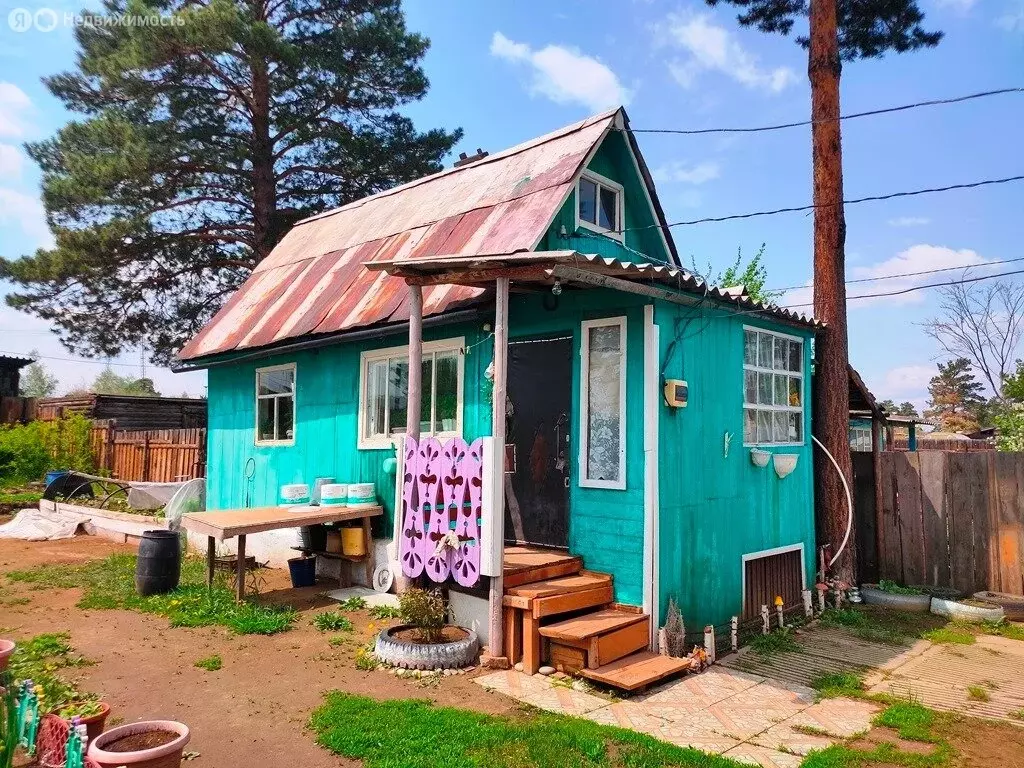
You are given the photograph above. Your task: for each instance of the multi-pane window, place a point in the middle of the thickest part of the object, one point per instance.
(599, 204)
(603, 400)
(275, 404)
(773, 388)
(860, 439)
(385, 393)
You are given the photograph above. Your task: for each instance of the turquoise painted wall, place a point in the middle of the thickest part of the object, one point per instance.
(605, 526)
(715, 509)
(612, 160)
(327, 393)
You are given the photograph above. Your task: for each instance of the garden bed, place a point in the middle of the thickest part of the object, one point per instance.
(108, 524)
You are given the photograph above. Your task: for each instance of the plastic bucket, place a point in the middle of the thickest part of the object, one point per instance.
(362, 495)
(294, 494)
(303, 571)
(318, 484)
(158, 567)
(334, 495)
(314, 537)
(55, 475)
(352, 542)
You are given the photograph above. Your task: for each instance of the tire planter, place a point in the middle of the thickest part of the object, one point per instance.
(165, 756)
(954, 609)
(1012, 605)
(402, 653)
(914, 603)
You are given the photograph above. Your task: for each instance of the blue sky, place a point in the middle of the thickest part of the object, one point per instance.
(506, 72)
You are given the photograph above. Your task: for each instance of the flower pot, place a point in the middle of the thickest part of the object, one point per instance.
(955, 609)
(6, 649)
(784, 463)
(163, 756)
(914, 603)
(759, 458)
(94, 724)
(392, 649)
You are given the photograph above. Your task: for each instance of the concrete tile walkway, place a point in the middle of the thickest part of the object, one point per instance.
(749, 718)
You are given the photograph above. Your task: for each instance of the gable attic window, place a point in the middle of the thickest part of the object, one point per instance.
(384, 392)
(773, 388)
(275, 405)
(599, 204)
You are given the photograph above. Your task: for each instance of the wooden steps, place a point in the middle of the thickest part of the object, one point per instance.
(583, 628)
(637, 671)
(595, 639)
(518, 597)
(525, 565)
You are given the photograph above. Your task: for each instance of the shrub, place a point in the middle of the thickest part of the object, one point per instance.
(331, 621)
(425, 610)
(29, 451)
(384, 612)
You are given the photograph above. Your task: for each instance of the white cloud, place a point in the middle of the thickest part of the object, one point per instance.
(916, 259)
(1013, 19)
(909, 221)
(687, 174)
(11, 162)
(14, 103)
(26, 212)
(960, 6)
(565, 75)
(905, 381)
(712, 48)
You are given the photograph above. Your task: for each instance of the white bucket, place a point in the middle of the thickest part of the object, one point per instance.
(334, 495)
(295, 493)
(362, 495)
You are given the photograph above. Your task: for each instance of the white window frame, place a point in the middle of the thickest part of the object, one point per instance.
(802, 410)
(859, 433)
(295, 397)
(456, 345)
(614, 186)
(585, 327)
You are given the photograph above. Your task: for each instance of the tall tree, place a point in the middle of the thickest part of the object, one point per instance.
(199, 143)
(955, 397)
(752, 275)
(906, 408)
(983, 322)
(110, 383)
(838, 31)
(36, 381)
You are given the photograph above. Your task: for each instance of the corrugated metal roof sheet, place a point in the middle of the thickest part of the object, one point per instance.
(314, 282)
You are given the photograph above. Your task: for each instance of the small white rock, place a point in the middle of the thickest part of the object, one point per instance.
(400, 672)
(546, 671)
(519, 666)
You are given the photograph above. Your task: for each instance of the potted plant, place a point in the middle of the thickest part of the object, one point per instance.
(6, 649)
(889, 594)
(92, 712)
(146, 744)
(426, 640)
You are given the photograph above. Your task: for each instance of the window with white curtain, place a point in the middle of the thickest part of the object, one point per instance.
(603, 404)
(773, 388)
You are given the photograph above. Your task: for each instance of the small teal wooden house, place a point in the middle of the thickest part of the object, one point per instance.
(656, 428)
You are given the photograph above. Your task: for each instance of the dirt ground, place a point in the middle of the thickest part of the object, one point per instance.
(252, 712)
(255, 707)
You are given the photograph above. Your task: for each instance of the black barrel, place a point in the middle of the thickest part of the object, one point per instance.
(158, 568)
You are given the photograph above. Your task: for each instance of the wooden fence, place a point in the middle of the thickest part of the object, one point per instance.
(154, 455)
(17, 410)
(903, 444)
(948, 519)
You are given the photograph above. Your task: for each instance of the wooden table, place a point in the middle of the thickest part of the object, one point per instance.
(219, 525)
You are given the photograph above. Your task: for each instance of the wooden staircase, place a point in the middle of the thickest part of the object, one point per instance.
(555, 610)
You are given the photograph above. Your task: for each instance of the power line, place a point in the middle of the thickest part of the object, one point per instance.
(812, 206)
(869, 113)
(907, 274)
(912, 288)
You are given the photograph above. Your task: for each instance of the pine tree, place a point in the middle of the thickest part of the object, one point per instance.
(955, 397)
(36, 381)
(906, 408)
(838, 31)
(110, 383)
(199, 143)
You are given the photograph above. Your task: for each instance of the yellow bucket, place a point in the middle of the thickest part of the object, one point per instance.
(352, 542)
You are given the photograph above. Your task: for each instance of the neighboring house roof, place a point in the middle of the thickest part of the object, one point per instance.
(314, 281)
(861, 399)
(14, 363)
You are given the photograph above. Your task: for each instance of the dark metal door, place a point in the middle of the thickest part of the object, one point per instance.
(537, 430)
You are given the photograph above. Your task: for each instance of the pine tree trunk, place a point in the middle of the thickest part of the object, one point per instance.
(263, 179)
(832, 398)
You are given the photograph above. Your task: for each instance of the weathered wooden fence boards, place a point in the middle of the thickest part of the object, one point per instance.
(17, 410)
(947, 519)
(154, 455)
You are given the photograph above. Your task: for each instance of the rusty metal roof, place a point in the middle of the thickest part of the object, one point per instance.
(543, 267)
(314, 281)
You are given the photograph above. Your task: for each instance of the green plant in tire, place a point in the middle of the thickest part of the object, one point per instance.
(891, 587)
(426, 610)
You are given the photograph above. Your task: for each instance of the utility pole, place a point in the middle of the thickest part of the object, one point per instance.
(832, 397)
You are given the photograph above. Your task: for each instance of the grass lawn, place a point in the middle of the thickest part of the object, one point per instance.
(411, 733)
(110, 583)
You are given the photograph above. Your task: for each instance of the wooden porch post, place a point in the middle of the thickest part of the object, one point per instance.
(495, 640)
(412, 418)
(877, 435)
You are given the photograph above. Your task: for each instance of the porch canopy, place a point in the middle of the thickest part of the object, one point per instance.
(539, 270)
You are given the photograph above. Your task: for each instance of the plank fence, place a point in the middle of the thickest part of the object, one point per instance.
(948, 519)
(153, 455)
